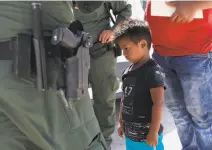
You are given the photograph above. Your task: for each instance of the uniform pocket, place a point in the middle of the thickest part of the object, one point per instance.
(97, 143)
(114, 81)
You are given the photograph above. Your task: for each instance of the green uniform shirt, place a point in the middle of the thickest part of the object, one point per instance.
(95, 19)
(16, 17)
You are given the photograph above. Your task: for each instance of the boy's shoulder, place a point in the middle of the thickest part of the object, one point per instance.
(153, 66)
(155, 71)
(150, 66)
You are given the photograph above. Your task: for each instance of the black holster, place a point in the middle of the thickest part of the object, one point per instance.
(115, 48)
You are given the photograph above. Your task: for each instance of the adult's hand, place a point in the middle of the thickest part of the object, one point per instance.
(185, 11)
(106, 36)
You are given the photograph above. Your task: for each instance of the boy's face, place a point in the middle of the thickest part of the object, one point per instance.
(133, 52)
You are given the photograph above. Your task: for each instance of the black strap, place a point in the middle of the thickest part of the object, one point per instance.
(108, 11)
(125, 71)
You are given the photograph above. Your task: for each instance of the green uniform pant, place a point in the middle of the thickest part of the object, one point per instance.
(104, 84)
(34, 120)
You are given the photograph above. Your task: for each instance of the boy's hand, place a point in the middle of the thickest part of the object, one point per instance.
(152, 139)
(120, 129)
(185, 11)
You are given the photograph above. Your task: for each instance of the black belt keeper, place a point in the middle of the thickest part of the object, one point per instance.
(18, 50)
(21, 47)
(6, 52)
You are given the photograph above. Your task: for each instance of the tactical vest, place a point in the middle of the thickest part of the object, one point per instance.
(137, 102)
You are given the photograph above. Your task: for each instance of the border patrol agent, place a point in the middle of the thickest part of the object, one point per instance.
(95, 18)
(31, 119)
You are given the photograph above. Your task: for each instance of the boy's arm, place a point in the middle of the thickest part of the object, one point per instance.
(120, 121)
(156, 83)
(120, 112)
(157, 95)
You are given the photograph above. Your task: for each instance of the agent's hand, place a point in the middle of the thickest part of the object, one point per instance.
(120, 129)
(152, 139)
(106, 36)
(185, 11)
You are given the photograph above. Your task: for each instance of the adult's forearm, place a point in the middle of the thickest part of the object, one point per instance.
(201, 4)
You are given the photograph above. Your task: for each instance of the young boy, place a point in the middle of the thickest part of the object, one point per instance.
(143, 89)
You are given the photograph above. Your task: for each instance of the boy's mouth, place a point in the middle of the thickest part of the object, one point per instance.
(126, 57)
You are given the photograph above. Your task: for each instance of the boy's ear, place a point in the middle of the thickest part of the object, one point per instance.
(143, 43)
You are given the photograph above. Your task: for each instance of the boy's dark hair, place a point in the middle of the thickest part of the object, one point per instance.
(135, 30)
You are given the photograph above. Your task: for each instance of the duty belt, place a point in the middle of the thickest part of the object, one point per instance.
(21, 51)
(23, 41)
